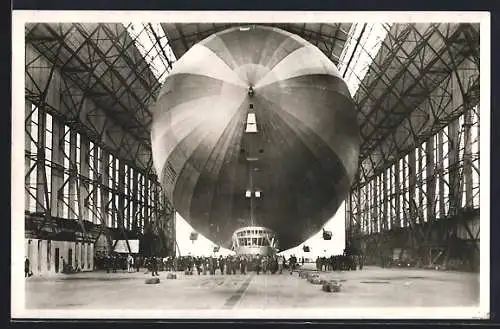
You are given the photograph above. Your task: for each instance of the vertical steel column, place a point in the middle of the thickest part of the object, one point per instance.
(467, 162)
(104, 166)
(146, 205)
(412, 184)
(385, 200)
(84, 172)
(356, 209)
(347, 214)
(431, 179)
(454, 165)
(98, 213)
(136, 206)
(121, 195)
(72, 176)
(375, 204)
(27, 149)
(440, 175)
(413, 214)
(41, 179)
(58, 169)
(398, 192)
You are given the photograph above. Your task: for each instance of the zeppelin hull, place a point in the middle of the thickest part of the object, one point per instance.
(301, 154)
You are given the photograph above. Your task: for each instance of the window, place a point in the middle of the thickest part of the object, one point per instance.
(78, 150)
(110, 201)
(392, 211)
(126, 210)
(418, 180)
(99, 192)
(424, 180)
(66, 190)
(48, 153)
(475, 155)
(154, 47)
(251, 123)
(401, 191)
(30, 162)
(362, 45)
(437, 174)
(406, 196)
(76, 207)
(461, 138)
(446, 174)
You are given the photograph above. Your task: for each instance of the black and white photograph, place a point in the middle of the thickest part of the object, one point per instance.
(318, 165)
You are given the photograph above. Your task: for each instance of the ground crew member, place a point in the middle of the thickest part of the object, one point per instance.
(221, 265)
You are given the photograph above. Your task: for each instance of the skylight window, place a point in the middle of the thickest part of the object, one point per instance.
(153, 45)
(251, 123)
(362, 45)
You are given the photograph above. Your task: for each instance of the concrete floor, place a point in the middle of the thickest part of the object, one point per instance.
(371, 287)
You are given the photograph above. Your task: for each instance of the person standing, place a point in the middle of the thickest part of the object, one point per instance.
(63, 263)
(228, 265)
(213, 265)
(137, 263)
(244, 265)
(154, 266)
(281, 264)
(205, 265)
(264, 265)
(130, 264)
(198, 265)
(221, 265)
(257, 264)
(26, 267)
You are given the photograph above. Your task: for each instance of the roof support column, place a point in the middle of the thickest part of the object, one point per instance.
(467, 163)
(121, 196)
(398, 193)
(135, 206)
(58, 171)
(440, 176)
(385, 201)
(84, 172)
(431, 179)
(28, 158)
(375, 205)
(73, 193)
(454, 150)
(106, 209)
(41, 179)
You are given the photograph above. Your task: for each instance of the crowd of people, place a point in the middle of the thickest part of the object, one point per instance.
(340, 263)
(228, 265)
(224, 265)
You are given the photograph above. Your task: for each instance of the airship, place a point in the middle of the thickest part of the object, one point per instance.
(255, 138)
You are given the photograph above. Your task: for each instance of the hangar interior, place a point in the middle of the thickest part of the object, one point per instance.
(89, 175)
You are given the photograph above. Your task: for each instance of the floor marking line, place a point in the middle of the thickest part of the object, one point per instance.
(233, 300)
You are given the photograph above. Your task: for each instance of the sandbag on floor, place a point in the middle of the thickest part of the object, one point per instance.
(331, 286)
(152, 281)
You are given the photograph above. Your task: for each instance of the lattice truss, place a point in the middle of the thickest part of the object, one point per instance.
(419, 116)
(87, 125)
